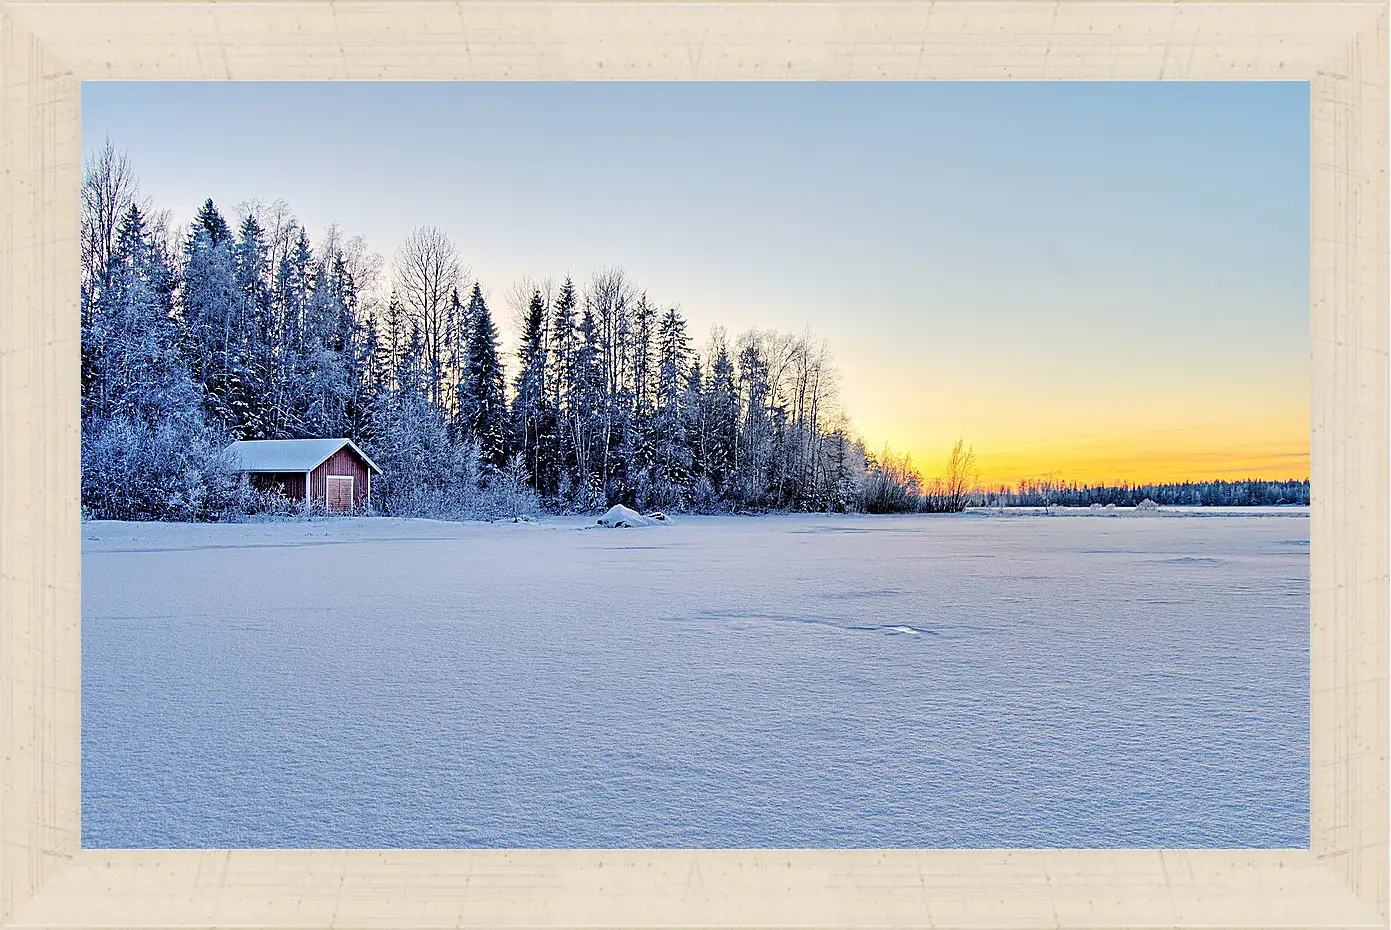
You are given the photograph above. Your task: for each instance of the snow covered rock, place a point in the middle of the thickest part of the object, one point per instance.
(618, 515)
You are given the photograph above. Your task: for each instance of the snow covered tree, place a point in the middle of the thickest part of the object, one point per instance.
(211, 309)
(210, 219)
(584, 418)
(396, 333)
(672, 452)
(482, 401)
(290, 297)
(255, 353)
(146, 451)
(533, 417)
(754, 447)
(563, 342)
(327, 383)
(722, 414)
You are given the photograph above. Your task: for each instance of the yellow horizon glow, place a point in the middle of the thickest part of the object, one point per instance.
(1274, 452)
(1095, 428)
(1134, 465)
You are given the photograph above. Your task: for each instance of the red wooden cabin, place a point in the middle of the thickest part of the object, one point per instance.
(336, 472)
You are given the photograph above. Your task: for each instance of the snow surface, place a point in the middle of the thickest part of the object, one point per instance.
(780, 681)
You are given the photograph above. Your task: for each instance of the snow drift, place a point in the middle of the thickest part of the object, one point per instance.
(618, 515)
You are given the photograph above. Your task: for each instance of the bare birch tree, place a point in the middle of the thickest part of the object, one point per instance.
(428, 271)
(109, 189)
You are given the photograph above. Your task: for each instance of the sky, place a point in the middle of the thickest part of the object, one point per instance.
(1088, 281)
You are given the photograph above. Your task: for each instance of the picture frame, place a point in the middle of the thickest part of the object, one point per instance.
(48, 48)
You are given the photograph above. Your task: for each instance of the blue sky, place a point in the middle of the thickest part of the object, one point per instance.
(1088, 278)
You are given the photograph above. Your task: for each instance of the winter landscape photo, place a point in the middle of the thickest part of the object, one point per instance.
(739, 465)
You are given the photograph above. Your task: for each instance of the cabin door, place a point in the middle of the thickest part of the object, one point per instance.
(340, 493)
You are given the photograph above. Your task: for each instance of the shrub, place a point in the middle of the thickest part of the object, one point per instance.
(133, 470)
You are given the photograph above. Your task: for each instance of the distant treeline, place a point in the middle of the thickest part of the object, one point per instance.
(1248, 493)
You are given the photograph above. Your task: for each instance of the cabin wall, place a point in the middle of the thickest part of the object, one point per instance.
(291, 484)
(342, 462)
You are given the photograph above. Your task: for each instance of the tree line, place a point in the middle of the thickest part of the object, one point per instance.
(1043, 492)
(244, 328)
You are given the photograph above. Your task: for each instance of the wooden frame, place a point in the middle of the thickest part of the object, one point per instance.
(48, 48)
(352, 493)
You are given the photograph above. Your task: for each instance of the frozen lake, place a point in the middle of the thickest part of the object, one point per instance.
(969, 680)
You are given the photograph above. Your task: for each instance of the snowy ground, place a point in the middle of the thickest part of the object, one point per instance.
(979, 680)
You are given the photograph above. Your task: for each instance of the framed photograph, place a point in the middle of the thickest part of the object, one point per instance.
(654, 464)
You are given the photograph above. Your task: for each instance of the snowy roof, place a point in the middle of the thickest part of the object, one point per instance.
(289, 454)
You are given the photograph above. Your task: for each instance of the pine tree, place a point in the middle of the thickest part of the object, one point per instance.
(562, 342)
(644, 391)
(394, 342)
(584, 419)
(722, 406)
(533, 417)
(249, 379)
(753, 449)
(672, 467)
(482, 403)
(290, 298)
(209, 219)
(372, 365)
(457, 324)
(211, 305)
(696, 418)
(326, 377)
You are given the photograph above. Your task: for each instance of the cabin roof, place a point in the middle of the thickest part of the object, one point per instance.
(284, 455)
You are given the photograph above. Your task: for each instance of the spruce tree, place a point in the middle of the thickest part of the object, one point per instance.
(482, 408)
(671, 470)
(211, 306)
(394, 340)
(722, 406)
(584, 418)
(533, 417)
(562, 341)
(290, 299)
(250, 387)
(209, 219)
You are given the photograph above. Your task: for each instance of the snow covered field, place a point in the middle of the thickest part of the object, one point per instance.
(974, 680)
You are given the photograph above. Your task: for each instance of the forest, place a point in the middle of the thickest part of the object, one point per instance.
(241, 327)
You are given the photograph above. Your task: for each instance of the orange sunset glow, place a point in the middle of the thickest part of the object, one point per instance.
(1097, 423)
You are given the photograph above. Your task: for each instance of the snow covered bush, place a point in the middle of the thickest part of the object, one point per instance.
(136, 471)
(506, 494)
(703, 498)
(425, 474)
(577, 496)
(1146, 505)
(250, 501)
